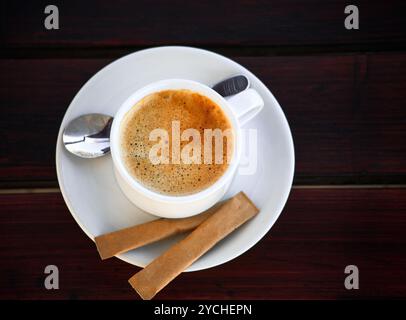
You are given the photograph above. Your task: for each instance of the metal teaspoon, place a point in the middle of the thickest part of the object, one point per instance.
(88, 136)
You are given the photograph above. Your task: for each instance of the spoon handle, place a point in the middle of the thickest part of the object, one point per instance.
(232, 86)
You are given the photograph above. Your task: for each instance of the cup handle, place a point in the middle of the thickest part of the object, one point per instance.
(246, 105)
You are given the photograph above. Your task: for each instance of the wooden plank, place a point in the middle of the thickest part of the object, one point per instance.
(34, 96)
(303, 257)
(227, 23)
(346, 113)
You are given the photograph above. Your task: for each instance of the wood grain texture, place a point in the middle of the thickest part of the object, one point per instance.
(343, 92)
(227, 23)
(346, 113)
(303, 256)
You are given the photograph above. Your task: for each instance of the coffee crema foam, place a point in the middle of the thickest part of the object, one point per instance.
(159, 110)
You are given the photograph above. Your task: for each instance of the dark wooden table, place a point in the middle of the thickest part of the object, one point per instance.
(343, 92)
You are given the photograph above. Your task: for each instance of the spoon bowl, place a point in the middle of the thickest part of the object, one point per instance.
(88, 136)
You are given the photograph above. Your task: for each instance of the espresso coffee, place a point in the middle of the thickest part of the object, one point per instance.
(162, 153)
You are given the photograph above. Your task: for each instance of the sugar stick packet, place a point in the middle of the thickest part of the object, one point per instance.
(155, 276)
(113, 243)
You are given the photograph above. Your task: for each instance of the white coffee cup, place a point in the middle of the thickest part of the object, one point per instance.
(239, 109)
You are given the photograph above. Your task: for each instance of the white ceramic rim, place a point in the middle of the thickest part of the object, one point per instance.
(175, 84)
(291, 164)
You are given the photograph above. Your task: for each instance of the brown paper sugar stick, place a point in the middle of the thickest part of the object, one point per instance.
(123, 240)
(155, 276)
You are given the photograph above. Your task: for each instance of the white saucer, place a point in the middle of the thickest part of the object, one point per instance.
(89, 187)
